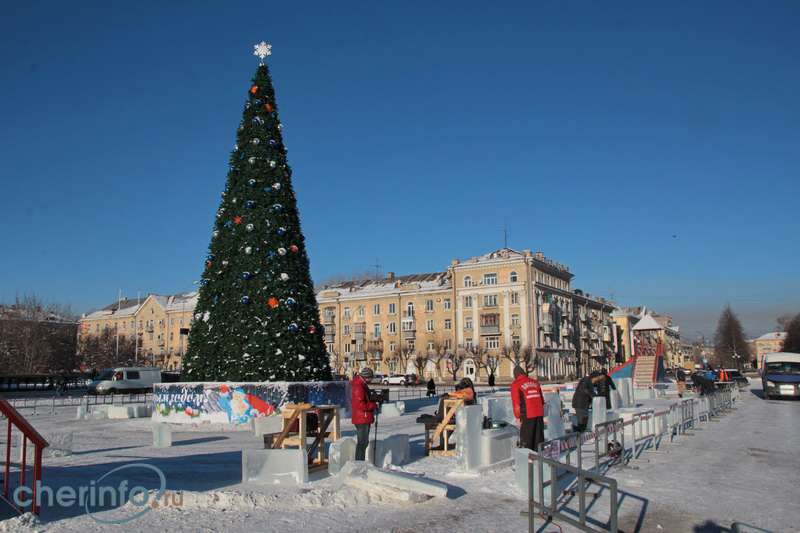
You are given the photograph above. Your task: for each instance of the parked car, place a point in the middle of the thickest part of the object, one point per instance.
(737, 377)
(396, 379)
(378, 378)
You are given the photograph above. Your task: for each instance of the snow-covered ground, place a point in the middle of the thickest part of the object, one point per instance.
(742, 468)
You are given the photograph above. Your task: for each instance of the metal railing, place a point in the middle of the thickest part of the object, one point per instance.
(551, 511)
(15, 419)
(72, 401)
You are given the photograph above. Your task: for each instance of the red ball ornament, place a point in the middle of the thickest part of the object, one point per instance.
(313, 329)
(269, 107)
(254, 89)
(294, 248)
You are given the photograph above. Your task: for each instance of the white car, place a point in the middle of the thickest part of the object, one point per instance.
(394, 380)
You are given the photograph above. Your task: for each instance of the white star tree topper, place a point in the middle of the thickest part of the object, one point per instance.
(263, 50)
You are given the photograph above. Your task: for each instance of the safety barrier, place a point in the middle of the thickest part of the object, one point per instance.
(72, 401)
(551, 511)
(39, 444)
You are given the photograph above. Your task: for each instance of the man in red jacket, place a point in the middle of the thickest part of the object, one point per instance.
(363, 410)
(528, 402)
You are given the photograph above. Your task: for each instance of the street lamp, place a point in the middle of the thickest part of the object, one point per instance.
(183, 331)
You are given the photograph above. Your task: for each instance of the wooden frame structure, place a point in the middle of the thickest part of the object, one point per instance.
(328, 414)
(442, 429)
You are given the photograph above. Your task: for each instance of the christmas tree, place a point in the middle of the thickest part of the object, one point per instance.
(256, 317)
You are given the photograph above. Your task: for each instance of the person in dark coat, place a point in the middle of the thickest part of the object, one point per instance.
(680, 377)
(581, 401)
(431, 388)
(491, 379)
(604, 387)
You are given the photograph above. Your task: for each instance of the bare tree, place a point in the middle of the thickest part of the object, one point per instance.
(479, 355)
(783, 321)
(337, 361)
(437, 354)
(455, 361)
(401, 355)
(99, 351)
(730, 342)
(420, 363)
(36, 338)
(519, 355)
(792, 341)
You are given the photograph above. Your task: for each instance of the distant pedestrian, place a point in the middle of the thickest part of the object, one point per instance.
(528, 402)
(604, 387)
(581, 400)
(431, 388)
(491, 379)
(680, 377)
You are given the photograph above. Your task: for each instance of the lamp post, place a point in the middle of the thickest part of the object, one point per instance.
(184, 331)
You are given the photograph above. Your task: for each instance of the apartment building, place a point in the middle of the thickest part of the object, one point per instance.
(769, 343)
(158, 323)
(483, 315)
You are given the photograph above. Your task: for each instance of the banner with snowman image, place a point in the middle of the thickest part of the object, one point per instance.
(238, 403)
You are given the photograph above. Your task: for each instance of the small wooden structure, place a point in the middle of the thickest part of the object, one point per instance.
(442, 429)
(289, 437)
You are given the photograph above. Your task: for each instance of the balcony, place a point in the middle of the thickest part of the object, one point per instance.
(328, 320)
(547, 328)
(490, 330)
(330, 337)
(412, 334)
(375, 345)
(359, 356)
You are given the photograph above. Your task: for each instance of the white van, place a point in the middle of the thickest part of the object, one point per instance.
(126, 379)
(780, 375)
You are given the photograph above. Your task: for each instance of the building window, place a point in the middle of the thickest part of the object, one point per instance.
(391, 327)
(447, 304)
(468, 302)
(467, 281)
(490, 319)
(429, 306)
(360, 311)
(346, 330)
(124, 326)
(514, 298)
(407, 325)
(514, 320)
(492, 343)
(430, 346)
(467, 322)
(392, 309)
(411, 345)
(347, 347)
(392, 347)
(490, 300)
(514, 340)
(376, 331)
(448, 324)
(512, 277)
(410, 309)
(429, 326)
(377, 366)
(376, 309)
(468, 343)
(172, 321)
(171, 336)
(490, 279)
(346, 312)
(448, 344)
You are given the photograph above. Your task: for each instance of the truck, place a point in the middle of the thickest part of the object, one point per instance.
(126, 379)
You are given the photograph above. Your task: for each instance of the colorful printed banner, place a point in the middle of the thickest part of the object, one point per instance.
(237, 403)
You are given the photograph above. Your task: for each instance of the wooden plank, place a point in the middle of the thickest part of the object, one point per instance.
(287, 426)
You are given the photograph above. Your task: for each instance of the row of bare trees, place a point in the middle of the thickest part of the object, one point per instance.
(37, 337)
(444, 359)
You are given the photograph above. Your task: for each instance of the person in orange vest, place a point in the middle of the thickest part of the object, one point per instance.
(723, 376)
(528, 402)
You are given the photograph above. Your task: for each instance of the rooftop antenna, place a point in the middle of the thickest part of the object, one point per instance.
(377, 266)
(505, 231)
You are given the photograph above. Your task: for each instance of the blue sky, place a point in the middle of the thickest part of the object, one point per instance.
(651, 147)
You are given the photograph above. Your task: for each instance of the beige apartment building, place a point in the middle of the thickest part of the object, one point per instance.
(483, 315)
(160, 324)
(769, 343)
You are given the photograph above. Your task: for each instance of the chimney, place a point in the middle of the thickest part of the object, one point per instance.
(455, 262)
(527, 253)
(389, 275)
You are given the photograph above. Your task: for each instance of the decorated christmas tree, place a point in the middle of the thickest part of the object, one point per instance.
(256, 317)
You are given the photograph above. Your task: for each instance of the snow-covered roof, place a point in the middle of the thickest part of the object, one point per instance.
(125, 307)
(499, 255)
(777, 336)
(647, 323)
(181, 301)
(389, 286)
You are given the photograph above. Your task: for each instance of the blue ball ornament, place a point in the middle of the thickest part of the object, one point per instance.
(272, 255)
(272, 143)
(205, 283)
(250, 204)
(257, 120)
(245, 275)
(291, 301)
(245, 300)
(251, 183)
(231, 168)
(257, 102)
(281, 231)
(277, 207)
(292, 327)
